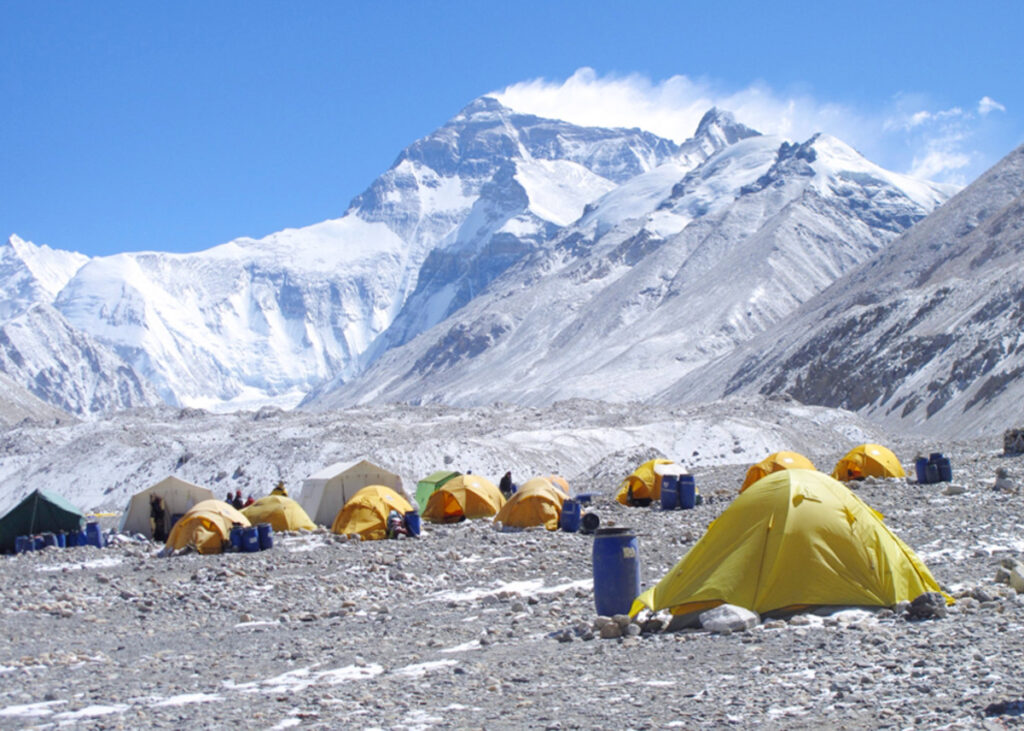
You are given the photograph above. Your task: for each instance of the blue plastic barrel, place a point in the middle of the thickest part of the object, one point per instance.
(236, 537)
(265, 535)
(80, 539)
(669, 492)
(412, 522)
(22, 544)
(584, 498)
(687, 492)
(49, 539)
(62, 540)
(932, 472)
(616, 570)
(93, 535)
(921, 468)
(945, 470)
(935, 456)
(37, 543)
(250, 539)
(569, 519)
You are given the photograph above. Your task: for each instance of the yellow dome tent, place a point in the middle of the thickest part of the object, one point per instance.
(774, 463)
(463, 496)
(793, 539)
(366, 512)
(537, 502)
(868, 460)
(281, 512)
(206, 527)
(560, 482)
(645, 481)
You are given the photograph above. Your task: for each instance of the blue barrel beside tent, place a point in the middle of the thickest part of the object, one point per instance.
(62, 540)
(616, 570)
(93, 535)
(236, 537)
(412, 522)
(49, 539)
(22, 544)
(37, 543)
(250, 539)
(569, 519)
(669, 492)
(265, 534)
(687, 492)
(943, 468)
(921, 468)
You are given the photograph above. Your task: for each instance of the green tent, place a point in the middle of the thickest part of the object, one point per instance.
(431, 484)
(40, 512)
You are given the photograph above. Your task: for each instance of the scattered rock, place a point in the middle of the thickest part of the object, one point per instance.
(729, 618)
(930, 605)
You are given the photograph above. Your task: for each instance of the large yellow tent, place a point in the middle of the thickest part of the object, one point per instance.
(366, 512)
(464, 496)
(793, 539)
(537, 502)
(281, 512)
(868, 460)
(206, 527)
(644, 481)
(774, 463)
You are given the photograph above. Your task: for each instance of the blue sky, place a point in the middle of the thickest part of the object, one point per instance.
(180, 125)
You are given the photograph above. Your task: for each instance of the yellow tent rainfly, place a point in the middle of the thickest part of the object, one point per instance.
(793, 539)
(644, 481)
(774, 463)
(206, 527)
(537, 502)
(281, 512)
(868, 460)
(464, 496)
(366, 512)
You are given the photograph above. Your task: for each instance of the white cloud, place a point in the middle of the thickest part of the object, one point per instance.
(904, 134)
(988, 104)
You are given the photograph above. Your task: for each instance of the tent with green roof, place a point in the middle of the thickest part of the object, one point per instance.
(431, 484)
(40, 512)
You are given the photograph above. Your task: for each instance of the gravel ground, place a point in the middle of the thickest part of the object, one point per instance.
(470, 627)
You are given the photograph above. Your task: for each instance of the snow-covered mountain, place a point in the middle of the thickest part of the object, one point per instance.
(18, 404)
(666, 272)
(264, 321)
(67, 368)
(929, 334)
(30, 274)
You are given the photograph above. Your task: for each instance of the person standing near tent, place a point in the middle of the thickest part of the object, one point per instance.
(279, 489)
(238, 503)
(230, 499)
(157, 511)
(249, 500)
(505, 485)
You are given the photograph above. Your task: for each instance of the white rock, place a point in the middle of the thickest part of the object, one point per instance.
(1017, 578)
(952, 489)
(729, 617)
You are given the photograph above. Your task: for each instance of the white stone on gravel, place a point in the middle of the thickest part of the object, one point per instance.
(729, 618)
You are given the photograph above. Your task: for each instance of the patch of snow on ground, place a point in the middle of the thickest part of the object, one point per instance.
(91, 712)
(295, 681)
(97, 563)
(30, 709)
(522, 588)
(418, 670)
(464, 647)
(186, 698)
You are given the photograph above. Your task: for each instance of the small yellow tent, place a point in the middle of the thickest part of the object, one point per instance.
(281, 512)
(774, 463)
(646, 483)
(537, 502)
(206, 527)
(795, 538)
(366, 512)
(464, 496)
(868, 460)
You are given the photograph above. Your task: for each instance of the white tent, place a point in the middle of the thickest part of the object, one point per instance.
(178, 497)
(327, 491)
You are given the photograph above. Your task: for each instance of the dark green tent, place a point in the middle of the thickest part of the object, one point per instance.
(431, 484)
(40, 512)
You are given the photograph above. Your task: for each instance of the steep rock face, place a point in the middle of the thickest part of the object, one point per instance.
(30, 274)
(264, 321)
(66, 368)
(927, 335)
(17, 404)
(671, 269)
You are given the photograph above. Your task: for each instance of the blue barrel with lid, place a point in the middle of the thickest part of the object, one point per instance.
(236, 537)
(669, 492)
(945, 468)
(265, 535)
(687, 492)
(250, 539)
(413, 523)
(569, 518)
(616, 563)
(22, 544)
(93, 535)
(921, 468)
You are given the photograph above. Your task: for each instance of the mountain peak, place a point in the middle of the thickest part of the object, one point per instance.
(722, 125)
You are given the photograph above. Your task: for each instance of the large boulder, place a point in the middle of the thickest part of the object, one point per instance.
(728, 618)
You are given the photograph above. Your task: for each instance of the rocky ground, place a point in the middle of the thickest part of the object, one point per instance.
(469, 627)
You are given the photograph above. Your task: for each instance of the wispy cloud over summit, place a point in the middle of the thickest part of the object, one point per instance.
(908, 134)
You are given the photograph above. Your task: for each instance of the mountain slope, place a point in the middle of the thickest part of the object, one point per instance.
(263, 321)
(30, 274)
(927, 335)
(658, 277)
(66, 368)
